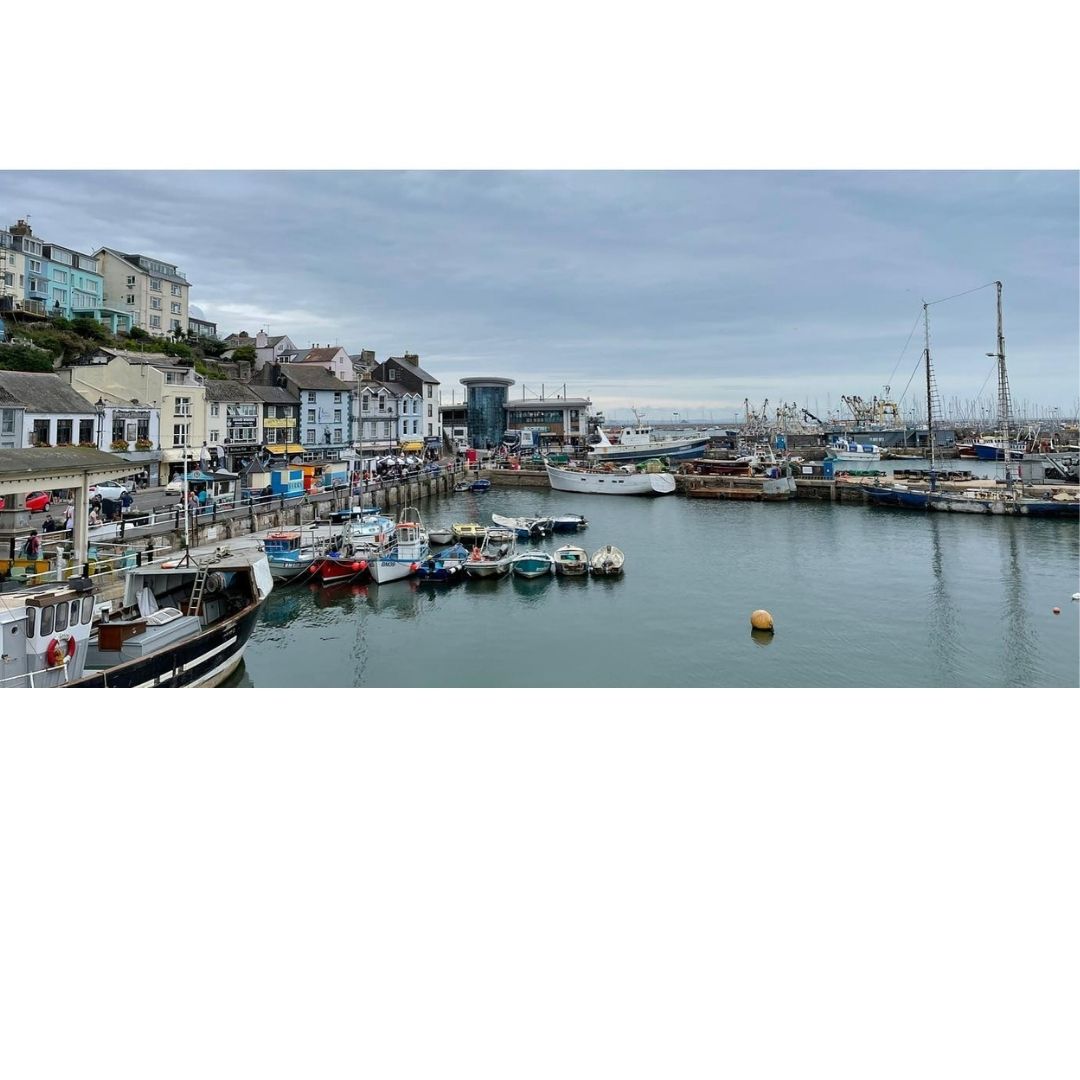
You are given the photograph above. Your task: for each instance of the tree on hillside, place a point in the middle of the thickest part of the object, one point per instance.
(244, 352)
(24, 358)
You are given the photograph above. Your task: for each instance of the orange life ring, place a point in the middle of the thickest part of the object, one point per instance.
(61, 649)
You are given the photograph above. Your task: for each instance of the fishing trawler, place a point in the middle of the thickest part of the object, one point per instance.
(641, 442)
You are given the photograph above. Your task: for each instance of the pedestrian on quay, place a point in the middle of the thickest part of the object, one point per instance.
(32, 547)
(204, 458)
(69, 519)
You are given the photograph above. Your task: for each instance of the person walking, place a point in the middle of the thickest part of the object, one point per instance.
(32, 547)
(204, 458)
(69, 519)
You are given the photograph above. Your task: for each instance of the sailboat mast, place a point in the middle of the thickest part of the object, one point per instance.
(1003, 390)
(929, 396)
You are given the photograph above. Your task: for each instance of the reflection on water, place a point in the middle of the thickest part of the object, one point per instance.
(862, 597)
(761, 637)
(1018, 640)
(942, 618)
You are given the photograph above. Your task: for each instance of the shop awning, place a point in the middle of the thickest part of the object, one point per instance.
(412, 447)
(282, 448)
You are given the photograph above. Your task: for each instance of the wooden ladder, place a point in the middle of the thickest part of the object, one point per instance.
(197, 590)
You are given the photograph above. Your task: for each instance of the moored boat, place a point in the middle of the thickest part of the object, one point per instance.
(568, 523)
(525, 528)
(480, 484)
(532, 564)
(571, 561)
(608, 561)
(849, 450)
(409, 549)
(491, 559)
(440, 535)
(290, 561)
(468, 531)
(614, 481)
(640, 442)
(445, 567)
(181, 623)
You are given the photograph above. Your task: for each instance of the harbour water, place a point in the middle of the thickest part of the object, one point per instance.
(861, 597)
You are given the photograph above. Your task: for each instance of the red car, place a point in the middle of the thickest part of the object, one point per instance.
(35, 501)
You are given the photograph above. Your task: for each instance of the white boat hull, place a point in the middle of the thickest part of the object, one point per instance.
(616, 482)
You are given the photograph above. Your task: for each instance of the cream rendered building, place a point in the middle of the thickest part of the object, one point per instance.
(150, 379)
(154, 292)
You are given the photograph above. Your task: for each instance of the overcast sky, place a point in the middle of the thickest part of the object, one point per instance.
(670, 291)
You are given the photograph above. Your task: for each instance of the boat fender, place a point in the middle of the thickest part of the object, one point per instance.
(357, 567)
(61, 649)
(414, 567)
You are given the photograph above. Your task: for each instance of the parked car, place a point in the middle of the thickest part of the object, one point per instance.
(114, 492)
(175, 487)
(35, 501)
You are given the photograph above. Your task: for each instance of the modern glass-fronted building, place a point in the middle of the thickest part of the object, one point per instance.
(486, 410)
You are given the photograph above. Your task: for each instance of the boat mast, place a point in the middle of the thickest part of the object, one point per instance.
(1003, 391)
(929, 397)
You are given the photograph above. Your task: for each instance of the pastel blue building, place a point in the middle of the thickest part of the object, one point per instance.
(76, 288)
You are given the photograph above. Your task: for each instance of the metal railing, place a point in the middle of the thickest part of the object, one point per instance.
(115, 553)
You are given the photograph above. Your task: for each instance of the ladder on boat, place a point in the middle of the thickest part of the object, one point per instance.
(194, 606)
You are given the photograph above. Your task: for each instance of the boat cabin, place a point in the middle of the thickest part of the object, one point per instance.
(44, 633)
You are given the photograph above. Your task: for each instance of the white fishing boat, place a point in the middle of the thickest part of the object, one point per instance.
(849, 450)
(409, 549)
(640, 442)
(611, 481)
(180, 623)
(571, 561)
(440, 535)
(608, 561)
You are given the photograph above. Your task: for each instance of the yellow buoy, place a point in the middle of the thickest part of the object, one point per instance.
(761, 620)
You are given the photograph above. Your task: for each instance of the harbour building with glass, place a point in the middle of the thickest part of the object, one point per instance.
(486, 397)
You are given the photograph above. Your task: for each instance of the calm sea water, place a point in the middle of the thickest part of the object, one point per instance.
(861, 597)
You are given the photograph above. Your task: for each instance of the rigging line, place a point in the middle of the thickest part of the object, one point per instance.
(953, 297)
(993, 366)
(910, 377)
(904, 349)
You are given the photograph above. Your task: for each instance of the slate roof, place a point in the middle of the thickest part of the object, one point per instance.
(322, 355)
(133, 260)
(312, 377)
(154, 359)
(42, 393)
(228, 390)
(412, 368)
(273, 395)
